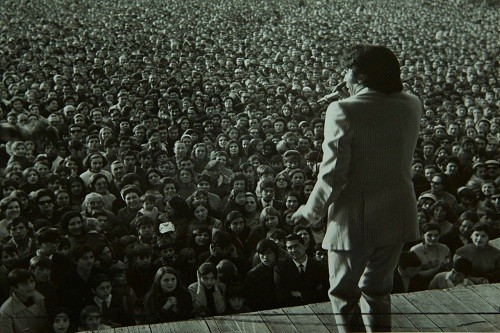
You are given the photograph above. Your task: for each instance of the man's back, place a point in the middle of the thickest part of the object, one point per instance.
(375, 203)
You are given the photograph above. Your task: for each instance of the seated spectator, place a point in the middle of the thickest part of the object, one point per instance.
(406, 277)
(113, 312)
(458, 276)
(435, 257)
(299, 280)
(24, 311)
(484, 257)
(59, 321)
(168, 299)
(208, 293)
(90, 319)
(236, 300)
(260, 293)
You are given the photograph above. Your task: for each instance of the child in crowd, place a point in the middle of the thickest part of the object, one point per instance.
(458, 276)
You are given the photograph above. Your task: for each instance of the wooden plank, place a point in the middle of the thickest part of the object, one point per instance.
(212, 325)
(248, 323)
(465, 314)
(479, 305)
(435, 312)
(305, 320)
(400, 322)
(181, 326)
(489, 293)
(420, 321)
(277, 321)
(325, 314)
(139, 329)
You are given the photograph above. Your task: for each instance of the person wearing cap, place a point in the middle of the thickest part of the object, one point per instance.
(217, 179)
(493, 170)
(365, 185)
(131, 194)
(467, 198)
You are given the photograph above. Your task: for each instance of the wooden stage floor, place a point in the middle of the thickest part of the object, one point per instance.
(473, 309)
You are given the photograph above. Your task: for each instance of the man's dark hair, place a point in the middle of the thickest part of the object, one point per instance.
(463, 265)
(375, 66)
(409, 259)
(17, 276)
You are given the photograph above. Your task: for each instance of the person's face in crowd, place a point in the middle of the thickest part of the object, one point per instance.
(154, 178)
(428, 150)
(93, 321)
(168, 282)
(250, 204)
(132, 200)
(169, 191)
(61, 323)
(42, 274)
(19, 232)
(451, 169)
(488, 189)
(25, 289)
(165, 168)
(201, 238)
(86, 262)
(292, 202)
(185, 176)
(62, 199)
(268, 258)
(129, 162)
(32, 177)
(418, 169)
(201, 213)
(237, 225)
(279, 127)
(75, 226)
(146, 231)
(93, 144)
(96, 164)
(480, 239)
(76, 188)
(437, 183)
(180, 149)
(296, 250)
(271, 222)
(466, 228)
(493, 171)
(268, 194)
(53, 185)
(41, 168)
(298, 179)
(208, 280)
(103, 290)
(431, 238)
(46, 205)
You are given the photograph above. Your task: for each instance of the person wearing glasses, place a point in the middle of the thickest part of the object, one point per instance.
(365, 184)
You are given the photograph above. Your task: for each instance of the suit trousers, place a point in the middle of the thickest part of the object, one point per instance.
(360, 287)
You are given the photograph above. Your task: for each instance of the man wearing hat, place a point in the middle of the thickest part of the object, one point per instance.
(217, 179)
(131, 195)
(493, 170)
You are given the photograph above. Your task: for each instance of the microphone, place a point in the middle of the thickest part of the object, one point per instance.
(336, 94)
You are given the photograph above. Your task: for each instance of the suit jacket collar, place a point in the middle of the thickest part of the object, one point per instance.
(18, 306)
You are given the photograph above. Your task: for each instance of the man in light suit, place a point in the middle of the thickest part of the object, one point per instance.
(365, 184)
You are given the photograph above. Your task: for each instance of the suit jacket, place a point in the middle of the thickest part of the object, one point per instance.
(313, 287)
(364, 181)
(17, 317)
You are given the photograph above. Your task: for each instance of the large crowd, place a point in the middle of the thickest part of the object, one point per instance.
(154, 152)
